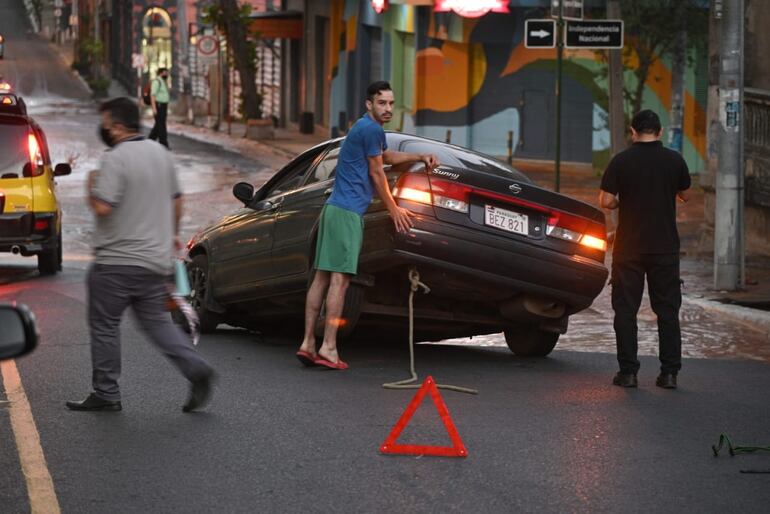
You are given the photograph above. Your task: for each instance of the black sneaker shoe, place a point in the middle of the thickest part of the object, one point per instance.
(94, 403)
(625, 380)
(200, 393)
(666, 381)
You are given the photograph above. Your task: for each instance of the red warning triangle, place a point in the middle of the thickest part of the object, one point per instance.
(457, 449)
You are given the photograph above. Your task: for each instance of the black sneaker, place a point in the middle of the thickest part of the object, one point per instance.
(94, 403)
(625, 380)
(200, 393)
(666, 381)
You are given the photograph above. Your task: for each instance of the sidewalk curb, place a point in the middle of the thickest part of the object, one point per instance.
(758, 318)
(178, 129)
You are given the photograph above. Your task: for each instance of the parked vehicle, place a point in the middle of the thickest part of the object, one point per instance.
(498, 252)
(30, 215)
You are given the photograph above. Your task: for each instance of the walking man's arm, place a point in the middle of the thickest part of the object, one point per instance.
(608, 200)
(380, 180)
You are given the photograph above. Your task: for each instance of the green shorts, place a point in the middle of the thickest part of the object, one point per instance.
(340, 235)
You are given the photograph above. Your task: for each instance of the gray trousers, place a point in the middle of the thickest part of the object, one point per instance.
(112, 289)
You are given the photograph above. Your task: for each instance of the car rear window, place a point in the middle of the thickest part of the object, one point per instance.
(14, 154)
(461, 158)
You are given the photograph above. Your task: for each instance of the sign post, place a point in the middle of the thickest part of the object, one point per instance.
(138, 62)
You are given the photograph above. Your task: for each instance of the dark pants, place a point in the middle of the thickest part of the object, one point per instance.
(665, 291)
(158, 131)
(112, 289)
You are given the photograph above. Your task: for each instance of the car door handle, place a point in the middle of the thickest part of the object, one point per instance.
(328, 191)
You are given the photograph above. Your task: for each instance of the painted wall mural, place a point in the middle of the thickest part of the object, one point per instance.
(475, 78)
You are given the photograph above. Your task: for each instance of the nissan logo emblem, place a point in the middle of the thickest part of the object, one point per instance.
(515, 188)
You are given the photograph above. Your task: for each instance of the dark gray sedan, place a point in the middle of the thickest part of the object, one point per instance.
(499, 253)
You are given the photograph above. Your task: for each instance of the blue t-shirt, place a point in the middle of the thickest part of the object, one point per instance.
(353, 188)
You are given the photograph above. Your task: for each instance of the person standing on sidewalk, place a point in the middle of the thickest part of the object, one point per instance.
(159, 99)
(643, 183)
(136, 199)
(341, 227)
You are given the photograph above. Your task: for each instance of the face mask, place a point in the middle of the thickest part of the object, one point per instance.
(106, 136)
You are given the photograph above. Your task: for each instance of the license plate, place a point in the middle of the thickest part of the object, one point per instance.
(506, 220)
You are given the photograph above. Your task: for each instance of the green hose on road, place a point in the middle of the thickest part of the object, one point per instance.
(724, 439)
(410, 383)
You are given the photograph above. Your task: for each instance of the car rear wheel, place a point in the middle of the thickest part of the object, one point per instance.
(530, 341)
(198, 271)
(49, 261)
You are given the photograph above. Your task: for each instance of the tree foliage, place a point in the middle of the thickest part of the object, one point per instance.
(651, 28)
(233, 21)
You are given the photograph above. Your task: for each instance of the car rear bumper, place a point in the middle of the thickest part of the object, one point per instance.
(499, 260)
(17, 233)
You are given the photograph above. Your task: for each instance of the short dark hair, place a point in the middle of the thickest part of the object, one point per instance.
(375, 88)
(161, 70)
(123, 111)
(646, 122)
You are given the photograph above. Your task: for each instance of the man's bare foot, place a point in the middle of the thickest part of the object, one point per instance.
(330, 355)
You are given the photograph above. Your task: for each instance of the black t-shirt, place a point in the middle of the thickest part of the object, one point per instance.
(646, 177)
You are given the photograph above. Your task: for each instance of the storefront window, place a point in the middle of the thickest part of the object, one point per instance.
(156, 40)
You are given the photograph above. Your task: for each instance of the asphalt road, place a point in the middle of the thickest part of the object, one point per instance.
(543, 434)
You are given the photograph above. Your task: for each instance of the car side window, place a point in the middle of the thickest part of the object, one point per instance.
(326, 167)
(292, 178)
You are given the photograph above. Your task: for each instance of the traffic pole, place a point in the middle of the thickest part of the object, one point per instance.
(728, 215)
(559, 57)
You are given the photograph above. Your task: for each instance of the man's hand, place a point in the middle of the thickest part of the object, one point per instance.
(430, 160)
(401, 218)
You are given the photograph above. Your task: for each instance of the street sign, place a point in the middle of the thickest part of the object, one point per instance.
(594, 34)
(137, 61)
(539, 34)
(207, 45)
(571, 9)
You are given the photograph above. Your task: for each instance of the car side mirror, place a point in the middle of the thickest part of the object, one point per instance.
(244, 192)
(62, 169)
(19, 335)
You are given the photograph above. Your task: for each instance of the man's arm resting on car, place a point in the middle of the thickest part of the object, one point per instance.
(608, 200)
(380, 180)
(393, 158)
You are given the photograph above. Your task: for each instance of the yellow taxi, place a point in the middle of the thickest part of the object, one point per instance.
(30, 215)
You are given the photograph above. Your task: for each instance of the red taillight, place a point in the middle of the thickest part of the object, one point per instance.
(413, 187)
(577, 230)
(42, 225)
(35, 155)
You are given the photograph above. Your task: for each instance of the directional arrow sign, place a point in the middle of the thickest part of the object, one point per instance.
(594, 34)
(539, 33)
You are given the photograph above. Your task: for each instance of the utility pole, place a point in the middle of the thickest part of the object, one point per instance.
(617, 112)
(559, 57)
(728, 222)
(676, 128)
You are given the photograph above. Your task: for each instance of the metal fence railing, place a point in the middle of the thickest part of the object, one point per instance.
(757, 146)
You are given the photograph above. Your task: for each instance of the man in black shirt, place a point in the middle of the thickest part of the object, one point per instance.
(643, 182)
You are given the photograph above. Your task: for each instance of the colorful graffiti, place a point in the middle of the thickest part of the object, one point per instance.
(476, 78)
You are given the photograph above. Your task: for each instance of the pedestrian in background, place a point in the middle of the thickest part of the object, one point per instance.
(136, 199)
(341, 227)
(643, 183)
(159, 99)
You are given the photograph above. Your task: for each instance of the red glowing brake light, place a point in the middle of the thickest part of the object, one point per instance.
(41, 225)
(35, 155)
(578, 230)
(413, 187)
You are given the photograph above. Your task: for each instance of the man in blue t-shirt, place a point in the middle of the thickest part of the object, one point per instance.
(341, 227)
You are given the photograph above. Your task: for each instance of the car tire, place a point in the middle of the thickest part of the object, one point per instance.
(351, 312)
(198, 273)
(49, 261)
(530, 341)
